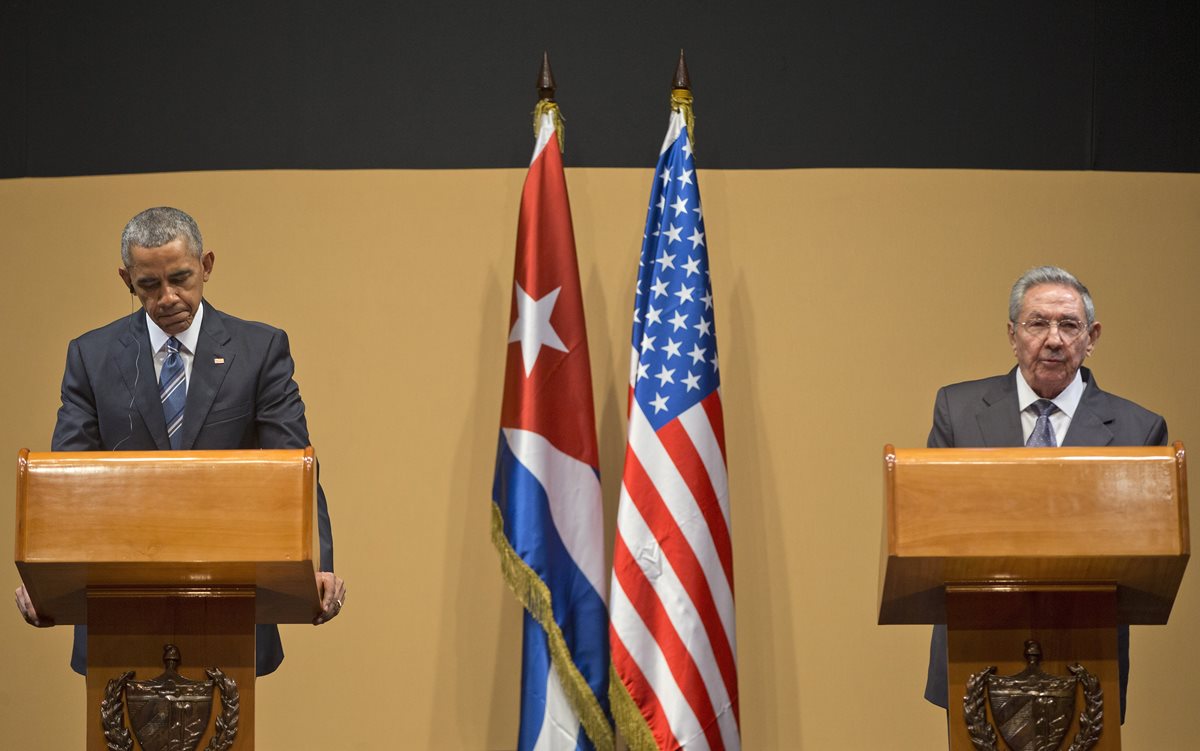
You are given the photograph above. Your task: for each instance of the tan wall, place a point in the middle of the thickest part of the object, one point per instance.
(844, 299)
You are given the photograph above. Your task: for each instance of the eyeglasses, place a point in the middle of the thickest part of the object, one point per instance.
(1068, 328)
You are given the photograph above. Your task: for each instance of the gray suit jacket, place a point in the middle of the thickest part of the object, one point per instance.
(241, 395)
(985, 413)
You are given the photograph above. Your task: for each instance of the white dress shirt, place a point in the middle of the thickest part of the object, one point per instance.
(1067, 402)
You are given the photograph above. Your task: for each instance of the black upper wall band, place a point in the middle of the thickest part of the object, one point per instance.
(100, 88)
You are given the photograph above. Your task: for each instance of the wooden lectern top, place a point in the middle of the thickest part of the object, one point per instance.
(1023, 517)
(194, 521)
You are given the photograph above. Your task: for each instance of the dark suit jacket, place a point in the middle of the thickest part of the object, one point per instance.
(985, 413)
(241, 395)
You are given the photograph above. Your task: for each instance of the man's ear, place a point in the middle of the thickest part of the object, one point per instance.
(1093, 336)
(206, 262)
(124, 273)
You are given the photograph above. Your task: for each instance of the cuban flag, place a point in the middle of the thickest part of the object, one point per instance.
(547, 514)
(674, 649)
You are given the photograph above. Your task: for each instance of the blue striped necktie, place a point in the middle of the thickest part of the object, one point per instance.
(172, 390)
(1043, 432)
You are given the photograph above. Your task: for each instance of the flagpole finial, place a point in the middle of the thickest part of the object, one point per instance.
(546, 104)
(545, 79)
(681, 96)
(681, 80)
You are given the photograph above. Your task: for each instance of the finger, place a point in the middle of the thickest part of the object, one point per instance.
(336, 589)
(28, 612)
(326, 586)
(24, 604)
(329, 591)
(326, 616)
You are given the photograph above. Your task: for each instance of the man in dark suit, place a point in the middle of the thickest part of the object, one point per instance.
(1048, 399)
(180, 374)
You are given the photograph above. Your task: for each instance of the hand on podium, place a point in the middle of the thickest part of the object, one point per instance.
(25, 605)
(330, 587)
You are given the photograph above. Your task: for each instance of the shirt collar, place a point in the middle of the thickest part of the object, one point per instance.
(188, 338)
(1067, 401)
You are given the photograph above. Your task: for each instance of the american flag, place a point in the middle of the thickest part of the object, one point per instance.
(547, 511)
(671, 632)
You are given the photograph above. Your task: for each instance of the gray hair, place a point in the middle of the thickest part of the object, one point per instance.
(1048, 275)
(158, 226)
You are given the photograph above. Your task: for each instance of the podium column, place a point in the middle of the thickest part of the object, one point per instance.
(212, 628)
(988, 625)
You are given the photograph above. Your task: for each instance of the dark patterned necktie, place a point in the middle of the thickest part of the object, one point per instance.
(172, 390)
(1043, 432)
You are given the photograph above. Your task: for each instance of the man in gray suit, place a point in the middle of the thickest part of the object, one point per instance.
(1048, 399)
(180, 374)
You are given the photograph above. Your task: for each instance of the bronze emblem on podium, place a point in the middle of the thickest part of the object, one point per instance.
(1033, 708)
(170, 712)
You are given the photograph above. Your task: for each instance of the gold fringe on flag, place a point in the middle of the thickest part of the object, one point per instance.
(634, 729)
(681, 101)
(543, 107)
(534, 595)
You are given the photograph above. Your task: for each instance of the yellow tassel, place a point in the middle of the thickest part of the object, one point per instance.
(628, 717)
(534, 595)
(681, 101)
(550, 106)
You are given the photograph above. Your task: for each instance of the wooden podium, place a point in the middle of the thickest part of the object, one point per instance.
(1058, 545)
(190, 548)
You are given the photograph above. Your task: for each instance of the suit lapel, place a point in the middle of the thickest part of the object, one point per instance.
(1000, 419)
(1089, 424)
(136, 363)
(212, 361)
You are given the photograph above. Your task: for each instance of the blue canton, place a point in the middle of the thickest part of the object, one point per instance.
(673, 332)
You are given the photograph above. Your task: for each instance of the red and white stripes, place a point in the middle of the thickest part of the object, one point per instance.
(672, 607)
